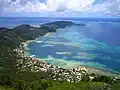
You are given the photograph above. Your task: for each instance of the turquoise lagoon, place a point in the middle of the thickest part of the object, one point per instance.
(97, 45)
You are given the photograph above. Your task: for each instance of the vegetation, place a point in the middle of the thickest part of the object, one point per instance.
(28, 32)
(33, 82)
(81, 86)
(13, 79)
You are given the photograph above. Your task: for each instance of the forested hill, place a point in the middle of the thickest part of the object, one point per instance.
(9, 38)
(23, 32)
(28, 32)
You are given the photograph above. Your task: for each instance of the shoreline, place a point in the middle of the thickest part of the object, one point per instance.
(75, 74)
(89, 69)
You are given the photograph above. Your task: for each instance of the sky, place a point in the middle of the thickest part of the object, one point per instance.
(60, 8)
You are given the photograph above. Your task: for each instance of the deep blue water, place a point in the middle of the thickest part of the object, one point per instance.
(97, 44)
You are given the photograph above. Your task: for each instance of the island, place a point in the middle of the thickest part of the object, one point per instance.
(20, 72)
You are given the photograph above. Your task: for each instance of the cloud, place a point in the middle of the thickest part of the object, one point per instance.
(111, 7)
(108, 7)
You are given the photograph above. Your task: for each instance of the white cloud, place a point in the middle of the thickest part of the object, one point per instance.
(110, 7)
(79, 5)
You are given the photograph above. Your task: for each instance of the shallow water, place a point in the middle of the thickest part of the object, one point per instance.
(97, 44)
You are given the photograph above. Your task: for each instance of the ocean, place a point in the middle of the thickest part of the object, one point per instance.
(97, 44)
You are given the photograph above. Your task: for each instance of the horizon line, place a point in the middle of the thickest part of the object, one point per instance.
(60, 17)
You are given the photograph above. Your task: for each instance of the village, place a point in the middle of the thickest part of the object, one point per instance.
(57, 73)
